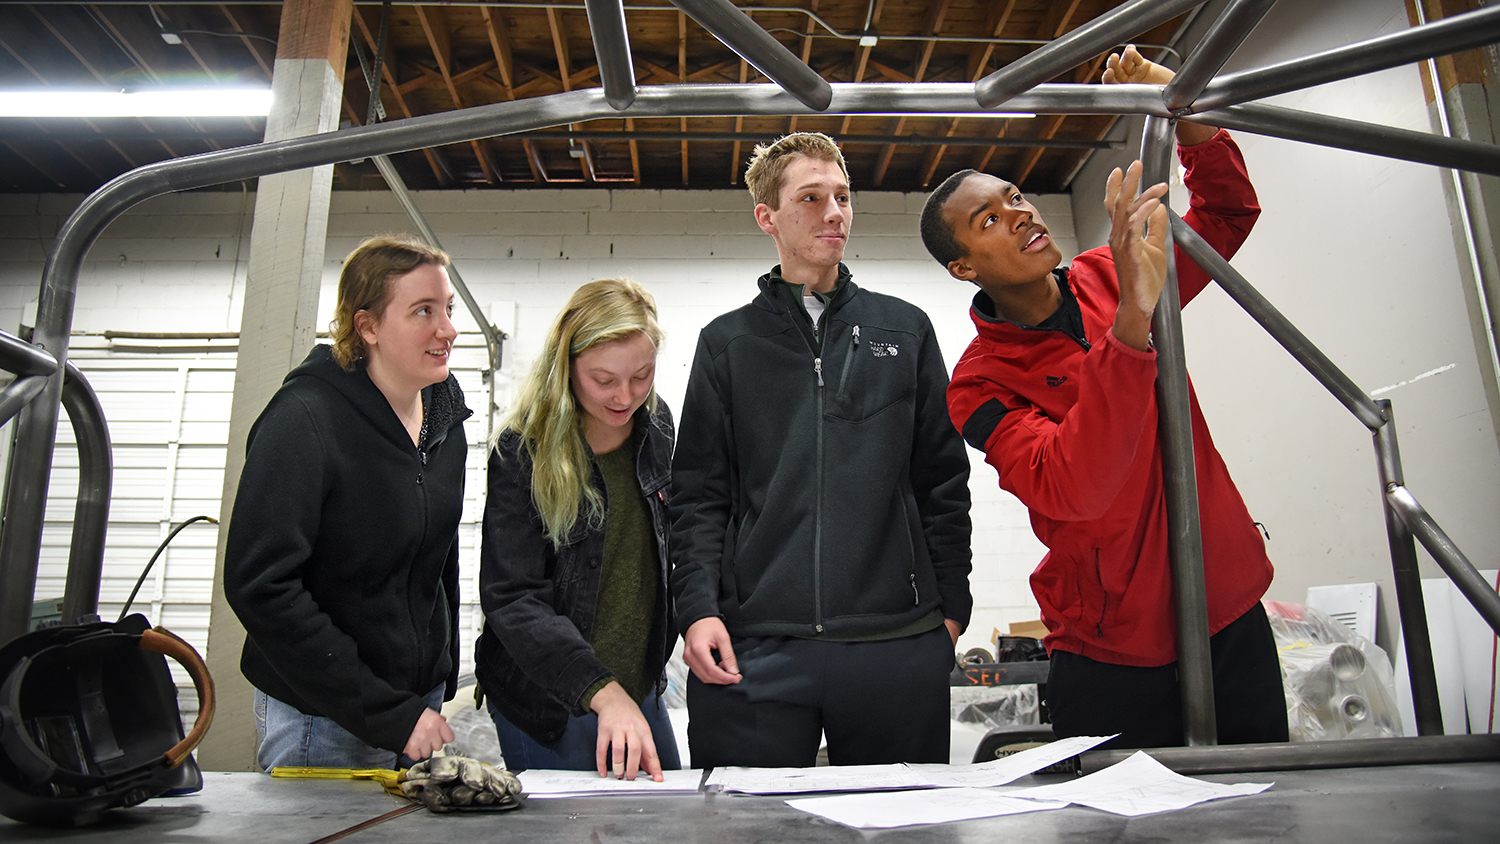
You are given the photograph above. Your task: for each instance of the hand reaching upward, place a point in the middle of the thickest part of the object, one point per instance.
(1138, 240)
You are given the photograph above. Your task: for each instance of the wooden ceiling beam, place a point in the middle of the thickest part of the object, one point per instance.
(682, 77)
(436, 27)
(861, 59)
(934, 27)
(979, 56)
(500, 45)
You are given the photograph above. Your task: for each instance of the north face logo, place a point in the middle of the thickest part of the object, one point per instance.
(884, 350)
(1056, 380)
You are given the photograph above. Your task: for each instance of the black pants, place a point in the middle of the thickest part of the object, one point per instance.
(877, 702)
(1144, 705)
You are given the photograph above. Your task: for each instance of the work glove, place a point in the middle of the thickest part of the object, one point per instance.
(458, 783)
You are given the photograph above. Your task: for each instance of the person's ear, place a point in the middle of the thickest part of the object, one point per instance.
(959, 268)
(364, 323)
(763, 218)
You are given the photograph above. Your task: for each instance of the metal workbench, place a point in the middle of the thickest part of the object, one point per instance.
(1427, 803)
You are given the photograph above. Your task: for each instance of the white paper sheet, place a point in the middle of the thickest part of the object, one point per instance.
(1138, 786)
(909, 808)
(822, 778)
(898, 776)
(1013, 767)
(541, 783)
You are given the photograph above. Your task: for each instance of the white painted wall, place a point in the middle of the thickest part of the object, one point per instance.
(177, 263)
(1357, 251)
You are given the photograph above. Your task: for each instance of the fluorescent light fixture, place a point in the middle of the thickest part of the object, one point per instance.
(158, 102)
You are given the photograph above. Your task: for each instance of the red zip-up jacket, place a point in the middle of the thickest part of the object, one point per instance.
(1067, 414)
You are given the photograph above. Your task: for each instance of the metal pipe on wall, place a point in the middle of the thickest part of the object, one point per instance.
(1408, 578)
(1179, 477)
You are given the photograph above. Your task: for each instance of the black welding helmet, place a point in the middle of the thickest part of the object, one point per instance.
(89, 719)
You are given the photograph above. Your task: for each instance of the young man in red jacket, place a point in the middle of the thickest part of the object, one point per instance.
(1058, 391)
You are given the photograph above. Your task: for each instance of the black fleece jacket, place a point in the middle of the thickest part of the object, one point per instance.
(342, 554)
(533, 658)
(818, 487)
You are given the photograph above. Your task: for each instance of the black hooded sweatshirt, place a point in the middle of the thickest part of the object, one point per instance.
(342, 554)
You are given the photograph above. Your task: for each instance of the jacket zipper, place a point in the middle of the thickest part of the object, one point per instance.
(848, 364)
(818, 505)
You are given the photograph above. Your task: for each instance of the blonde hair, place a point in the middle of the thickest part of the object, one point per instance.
(365, 285)
(546, 413)
(767, 167)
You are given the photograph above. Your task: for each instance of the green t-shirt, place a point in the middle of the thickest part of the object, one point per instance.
(629, 578)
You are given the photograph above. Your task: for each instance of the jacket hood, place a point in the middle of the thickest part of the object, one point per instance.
(444, 400)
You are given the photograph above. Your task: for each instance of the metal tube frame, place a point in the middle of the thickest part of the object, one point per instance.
(1179, 479)
(1076, 47)
(802, 91)
(612, 50)
(91, 510)
(1223, 37)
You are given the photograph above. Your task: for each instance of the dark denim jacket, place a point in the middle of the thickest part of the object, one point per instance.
(533, 657)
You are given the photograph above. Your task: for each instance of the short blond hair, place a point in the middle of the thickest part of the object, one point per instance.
(365, 285)
(767, 167)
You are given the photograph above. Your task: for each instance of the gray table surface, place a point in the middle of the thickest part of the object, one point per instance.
(1427, 803)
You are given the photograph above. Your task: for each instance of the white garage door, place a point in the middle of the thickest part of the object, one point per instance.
(167, 408)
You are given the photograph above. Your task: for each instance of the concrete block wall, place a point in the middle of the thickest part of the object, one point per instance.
(177, 263)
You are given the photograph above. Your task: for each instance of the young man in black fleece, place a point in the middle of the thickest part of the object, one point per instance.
(820, 503)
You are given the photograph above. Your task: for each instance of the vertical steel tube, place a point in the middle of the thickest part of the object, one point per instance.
(1409, 601)
(91, 512)
(1190, 596)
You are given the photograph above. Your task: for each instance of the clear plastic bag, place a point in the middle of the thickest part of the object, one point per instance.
(994, 706)
(1338, 684)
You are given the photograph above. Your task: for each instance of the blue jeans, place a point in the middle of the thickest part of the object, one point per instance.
(289, 737)
(575, 750)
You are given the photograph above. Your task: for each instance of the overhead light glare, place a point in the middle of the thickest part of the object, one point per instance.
(1013, 115)
(157, 102)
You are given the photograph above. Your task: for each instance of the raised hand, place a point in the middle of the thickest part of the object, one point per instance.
(1138, 240)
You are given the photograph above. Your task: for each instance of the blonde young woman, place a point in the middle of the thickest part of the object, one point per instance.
(573, 568)
(342, 554)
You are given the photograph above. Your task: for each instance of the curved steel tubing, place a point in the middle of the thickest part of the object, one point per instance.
(91, 511)
(1458, 568)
